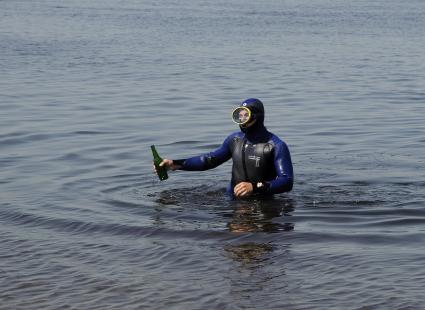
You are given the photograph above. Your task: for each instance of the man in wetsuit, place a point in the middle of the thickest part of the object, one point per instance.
(261, 161)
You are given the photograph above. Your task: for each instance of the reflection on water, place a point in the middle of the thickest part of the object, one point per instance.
(252, 249)
(251, 279)
(257, 216)
(259, 270)
(187, 207)
(250, 253)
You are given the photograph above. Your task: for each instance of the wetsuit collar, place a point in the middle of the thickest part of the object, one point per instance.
(256, 133)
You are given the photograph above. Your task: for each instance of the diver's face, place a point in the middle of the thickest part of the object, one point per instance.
(243, 116)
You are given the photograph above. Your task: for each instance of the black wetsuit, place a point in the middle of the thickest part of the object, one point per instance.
(258, 157)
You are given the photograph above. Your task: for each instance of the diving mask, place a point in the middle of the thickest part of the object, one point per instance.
(241, 115)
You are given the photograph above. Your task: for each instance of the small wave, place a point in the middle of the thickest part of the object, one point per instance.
(397, 222)
(359, 237)
(122, 203)
(90, 132)
(74, 226)
(207, 147)
(167, 225)
(10, 160)
(13, 134)
(183, 142)
(193, 196)
(25, 138)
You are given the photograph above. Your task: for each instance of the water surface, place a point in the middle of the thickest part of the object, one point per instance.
(87, 87)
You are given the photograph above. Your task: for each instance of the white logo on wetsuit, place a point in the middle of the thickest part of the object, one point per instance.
(257, 160)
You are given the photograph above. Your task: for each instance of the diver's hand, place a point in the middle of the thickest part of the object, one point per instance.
(243, 189)
(168, 163)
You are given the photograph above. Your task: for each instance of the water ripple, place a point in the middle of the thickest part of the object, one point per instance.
(86, 88)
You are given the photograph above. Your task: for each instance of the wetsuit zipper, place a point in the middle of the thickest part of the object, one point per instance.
(243, 160)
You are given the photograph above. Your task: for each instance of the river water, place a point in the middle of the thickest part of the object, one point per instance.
(87, 86)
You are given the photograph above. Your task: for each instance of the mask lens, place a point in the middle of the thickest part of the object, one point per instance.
(241, 115)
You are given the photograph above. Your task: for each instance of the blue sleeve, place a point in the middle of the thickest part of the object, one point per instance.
(284, 170)
(209, 160)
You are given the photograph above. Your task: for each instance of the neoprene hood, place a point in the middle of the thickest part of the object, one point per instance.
(256, 107)
(257, 112)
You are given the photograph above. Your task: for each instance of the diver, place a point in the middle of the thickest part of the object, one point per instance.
(261, 161)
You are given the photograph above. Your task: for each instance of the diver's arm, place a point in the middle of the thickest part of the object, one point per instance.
(284, 170)
(205, 161)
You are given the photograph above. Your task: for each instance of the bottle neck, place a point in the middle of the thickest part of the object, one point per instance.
(154, 152)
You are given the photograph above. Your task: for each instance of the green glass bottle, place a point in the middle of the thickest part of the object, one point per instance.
(161, 171)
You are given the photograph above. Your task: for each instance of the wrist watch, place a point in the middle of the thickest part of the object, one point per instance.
(257, 187)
